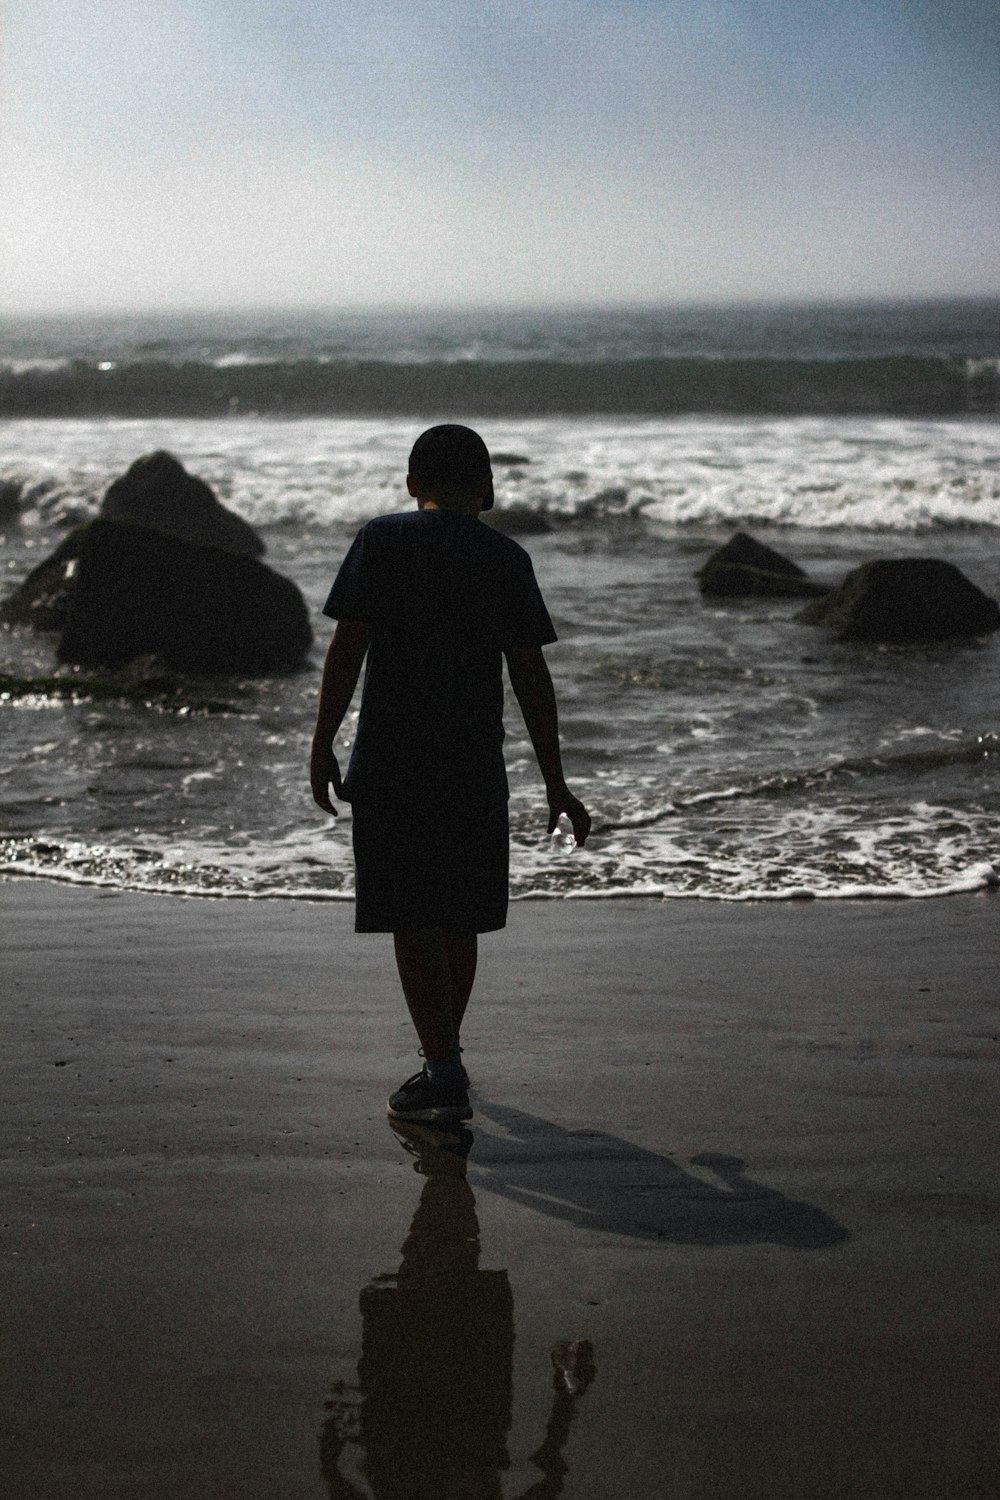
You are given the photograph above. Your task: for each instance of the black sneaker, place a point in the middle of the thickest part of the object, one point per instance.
(423, 1100)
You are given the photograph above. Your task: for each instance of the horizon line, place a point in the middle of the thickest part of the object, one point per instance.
(437, 308)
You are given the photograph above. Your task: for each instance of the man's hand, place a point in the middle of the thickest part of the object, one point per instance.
(324, 772)
(561, 800)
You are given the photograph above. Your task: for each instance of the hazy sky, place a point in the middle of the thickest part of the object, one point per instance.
(190, 153)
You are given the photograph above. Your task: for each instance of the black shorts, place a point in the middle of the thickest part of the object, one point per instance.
(422, 866)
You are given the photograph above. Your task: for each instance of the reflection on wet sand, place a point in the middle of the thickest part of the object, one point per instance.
(432, 1407)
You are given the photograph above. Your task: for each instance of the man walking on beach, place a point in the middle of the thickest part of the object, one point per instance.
(436, 600)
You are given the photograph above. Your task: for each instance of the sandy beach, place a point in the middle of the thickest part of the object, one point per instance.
(737, 1165)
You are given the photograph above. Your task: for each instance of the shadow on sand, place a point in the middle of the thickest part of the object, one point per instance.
(600, 1182)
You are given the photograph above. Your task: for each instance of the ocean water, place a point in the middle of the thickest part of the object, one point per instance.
(727, 751)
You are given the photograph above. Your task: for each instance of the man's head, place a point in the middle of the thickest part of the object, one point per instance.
(450, 467)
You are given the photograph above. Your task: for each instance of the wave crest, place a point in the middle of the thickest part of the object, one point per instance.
(910, 385)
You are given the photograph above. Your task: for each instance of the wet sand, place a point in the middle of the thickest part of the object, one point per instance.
(724, 1225)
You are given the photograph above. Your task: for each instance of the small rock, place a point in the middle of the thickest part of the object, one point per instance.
(745, 568)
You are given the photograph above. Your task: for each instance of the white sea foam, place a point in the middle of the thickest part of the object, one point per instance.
(727, 752)
(868, 474)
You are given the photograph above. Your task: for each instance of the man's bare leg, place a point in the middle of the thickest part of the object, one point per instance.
(437, 969)
(462, 951)
(425, 974)
(437, 1094)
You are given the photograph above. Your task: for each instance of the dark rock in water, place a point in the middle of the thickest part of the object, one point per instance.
(518, 520)
(745, 568)
(10, 495)
(508, 460)
(42, 600)
(196, 609)
(157, 491)
(905, 599)
(166, 571)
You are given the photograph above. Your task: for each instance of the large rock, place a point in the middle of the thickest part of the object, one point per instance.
(157, 491)
(10, 497)
(167, 571)
(905, 599)
(197, 609)
(745, 568)
(42, 600)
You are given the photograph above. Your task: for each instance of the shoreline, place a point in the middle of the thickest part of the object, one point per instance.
(747, 1151)
(989, 885)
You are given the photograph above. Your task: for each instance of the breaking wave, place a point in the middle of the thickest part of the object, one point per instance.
(894, 385)
(865, 473)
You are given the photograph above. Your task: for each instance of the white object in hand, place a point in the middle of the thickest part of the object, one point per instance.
(563, 837)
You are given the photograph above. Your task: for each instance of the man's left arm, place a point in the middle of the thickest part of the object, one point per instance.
(532, 684)
(341, 670)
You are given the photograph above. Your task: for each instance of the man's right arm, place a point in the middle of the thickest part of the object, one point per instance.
(341, 671)
(532, 684)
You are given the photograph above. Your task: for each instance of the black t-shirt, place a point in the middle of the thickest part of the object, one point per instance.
(443, 597)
